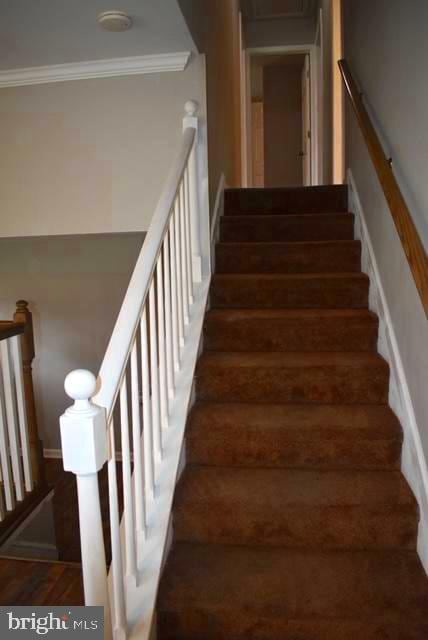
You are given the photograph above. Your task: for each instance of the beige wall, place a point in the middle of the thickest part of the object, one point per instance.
(75, 286)
(215, 28)
(384, 41)
(283, 124)
(90, 156)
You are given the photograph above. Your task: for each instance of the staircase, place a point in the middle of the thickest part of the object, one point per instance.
(292, 520)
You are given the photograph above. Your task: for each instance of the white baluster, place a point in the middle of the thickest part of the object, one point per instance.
(85, 451)
(163, 389)
(168, 318)
(6, 470)
(22, 411)
(2, 503)
(178, 270)
(174, 298)
(128, 502)
(187, 239)
(12, 420)
(154, 375)
(140, 510)
(116, 545)
(147, 414)
(183, 249)
(191, 120)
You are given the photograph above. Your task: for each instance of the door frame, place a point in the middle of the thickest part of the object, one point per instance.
(310, 49)
(319, 114)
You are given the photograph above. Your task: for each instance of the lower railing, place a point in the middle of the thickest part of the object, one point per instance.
(21, 468)
(140, 403)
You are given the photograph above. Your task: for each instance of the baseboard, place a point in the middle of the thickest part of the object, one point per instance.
(413, 463)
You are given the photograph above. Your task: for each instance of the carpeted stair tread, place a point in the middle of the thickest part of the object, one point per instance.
(295, 508)
(307, 436)
(292, 520)
(288, 257)
(310, 291)
(320, 199)
(271, 593)
(287, 228)
(313, 377)
(290, 330)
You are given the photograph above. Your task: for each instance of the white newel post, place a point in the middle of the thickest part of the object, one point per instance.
(190, 120)
(85, 449)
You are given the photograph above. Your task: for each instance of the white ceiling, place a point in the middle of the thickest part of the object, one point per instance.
(276, 9)
(45, 32)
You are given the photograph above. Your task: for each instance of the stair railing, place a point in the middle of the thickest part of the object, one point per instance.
(410, 239)
(145, 388)
(22, 482)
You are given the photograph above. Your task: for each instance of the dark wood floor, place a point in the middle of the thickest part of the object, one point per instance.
(36, 582)
(26, 582)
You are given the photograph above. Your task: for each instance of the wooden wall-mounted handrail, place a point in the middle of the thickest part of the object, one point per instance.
(409, 236)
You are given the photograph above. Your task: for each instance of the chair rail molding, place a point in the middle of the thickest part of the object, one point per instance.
(413, 462)
(135, 65)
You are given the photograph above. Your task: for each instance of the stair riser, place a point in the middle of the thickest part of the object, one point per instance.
(322, 385)
(288, 258)
(331, 528)
(289, 294)
(252, 448)
(298, 200)
(298, 334)
(287, 229)
(203, 624)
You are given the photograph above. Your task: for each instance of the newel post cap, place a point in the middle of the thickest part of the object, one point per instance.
(83, 426)
(190, 119)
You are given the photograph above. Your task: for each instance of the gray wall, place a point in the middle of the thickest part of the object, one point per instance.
(75, 286)
(283, 124)
(386, 44)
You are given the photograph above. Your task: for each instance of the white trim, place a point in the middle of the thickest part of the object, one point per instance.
(414, 464)
(135, 65)
(309, 49)
(215, 220)
(218, 205)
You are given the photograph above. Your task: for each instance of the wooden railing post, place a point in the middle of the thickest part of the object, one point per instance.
(24, 316)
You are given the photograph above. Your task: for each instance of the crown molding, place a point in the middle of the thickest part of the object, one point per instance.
(135, 65)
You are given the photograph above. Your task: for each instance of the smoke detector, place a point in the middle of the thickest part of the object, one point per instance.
(114, 21)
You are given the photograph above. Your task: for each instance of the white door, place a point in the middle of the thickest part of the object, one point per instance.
(306, 123)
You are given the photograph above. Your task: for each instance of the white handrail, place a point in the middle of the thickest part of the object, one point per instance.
(118, 350)
(145, 382)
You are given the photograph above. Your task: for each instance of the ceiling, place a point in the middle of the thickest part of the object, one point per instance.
(277, 9)
(46, 32)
